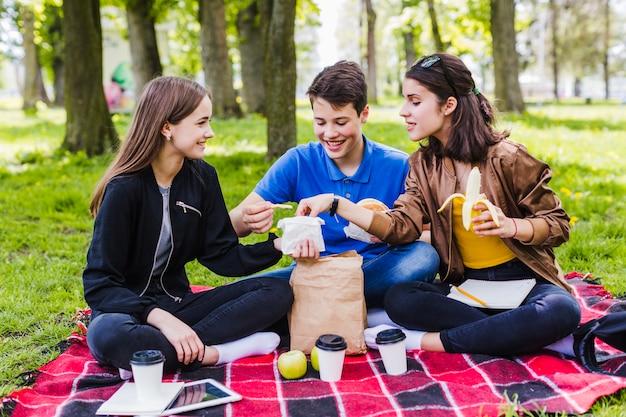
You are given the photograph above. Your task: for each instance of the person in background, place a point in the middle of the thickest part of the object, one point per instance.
(347, 165)
(157, 207)
(453, 121)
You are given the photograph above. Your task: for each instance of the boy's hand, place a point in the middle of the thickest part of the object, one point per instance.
(315, 205)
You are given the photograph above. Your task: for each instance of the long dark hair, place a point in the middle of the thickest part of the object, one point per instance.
(165, 99)
(472, 121)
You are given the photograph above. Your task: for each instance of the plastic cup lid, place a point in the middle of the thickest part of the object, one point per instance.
(331, 342)
(147, 357)
(390, 336)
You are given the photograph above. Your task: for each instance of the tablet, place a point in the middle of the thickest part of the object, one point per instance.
(201, 394)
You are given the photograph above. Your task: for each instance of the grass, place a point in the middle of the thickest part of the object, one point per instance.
(45, 227)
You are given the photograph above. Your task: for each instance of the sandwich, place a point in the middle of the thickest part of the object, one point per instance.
(373, 204)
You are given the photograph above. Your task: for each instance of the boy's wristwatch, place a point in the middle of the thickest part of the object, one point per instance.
(333, 206)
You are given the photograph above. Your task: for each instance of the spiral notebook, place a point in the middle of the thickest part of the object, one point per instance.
(492, 294)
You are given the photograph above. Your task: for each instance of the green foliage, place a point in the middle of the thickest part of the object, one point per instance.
(46, 227)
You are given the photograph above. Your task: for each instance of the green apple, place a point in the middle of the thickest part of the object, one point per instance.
(292, 364)
(314, 361)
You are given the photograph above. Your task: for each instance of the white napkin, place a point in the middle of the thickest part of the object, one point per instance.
(296, 229)
(355, 232)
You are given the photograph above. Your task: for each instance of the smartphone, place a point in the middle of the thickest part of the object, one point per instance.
(201, 394)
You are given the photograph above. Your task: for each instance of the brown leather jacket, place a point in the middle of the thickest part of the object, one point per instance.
(512, 179)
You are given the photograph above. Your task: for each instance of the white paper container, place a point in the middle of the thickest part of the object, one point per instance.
(394, 357)
(330, 364)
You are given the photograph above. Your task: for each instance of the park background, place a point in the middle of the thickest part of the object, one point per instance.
(569, 112)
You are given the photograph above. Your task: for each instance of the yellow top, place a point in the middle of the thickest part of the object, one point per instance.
(477, 252)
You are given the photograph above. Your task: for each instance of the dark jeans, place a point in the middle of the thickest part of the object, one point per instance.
(220, 315)
(548, 314)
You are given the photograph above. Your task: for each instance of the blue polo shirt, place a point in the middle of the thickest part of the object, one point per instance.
(306, 170)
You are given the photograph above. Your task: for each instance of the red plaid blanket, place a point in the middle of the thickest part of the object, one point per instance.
(437, 384)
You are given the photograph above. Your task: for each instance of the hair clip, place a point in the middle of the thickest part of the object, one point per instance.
(476, 91)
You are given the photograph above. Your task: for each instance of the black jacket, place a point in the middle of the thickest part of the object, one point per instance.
(121, 256)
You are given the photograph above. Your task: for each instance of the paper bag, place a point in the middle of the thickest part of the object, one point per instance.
(328, 298)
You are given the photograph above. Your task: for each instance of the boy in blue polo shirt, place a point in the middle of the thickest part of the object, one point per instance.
(344, 162)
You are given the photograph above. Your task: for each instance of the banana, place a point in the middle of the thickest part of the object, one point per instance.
(472, 197)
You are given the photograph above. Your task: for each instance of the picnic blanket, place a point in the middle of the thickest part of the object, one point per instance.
(436, 384)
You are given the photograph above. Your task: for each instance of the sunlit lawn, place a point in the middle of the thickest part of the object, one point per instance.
(45, 227)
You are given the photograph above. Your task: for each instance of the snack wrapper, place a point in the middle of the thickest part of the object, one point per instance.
(296, 229)
(355, 232)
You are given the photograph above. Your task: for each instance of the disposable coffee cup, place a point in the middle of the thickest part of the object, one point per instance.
(147, 366)
(331, 350)
(392, 349)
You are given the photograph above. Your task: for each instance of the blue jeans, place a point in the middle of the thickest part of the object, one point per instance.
(220, 315)
(548, 314)
(417, 261)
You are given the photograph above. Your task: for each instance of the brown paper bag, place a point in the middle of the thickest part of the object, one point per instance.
(328, 298)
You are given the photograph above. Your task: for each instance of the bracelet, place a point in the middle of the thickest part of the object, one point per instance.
(515, 224)
(333, 207)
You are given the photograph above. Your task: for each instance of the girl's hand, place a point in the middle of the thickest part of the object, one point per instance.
(183, 338)
(258, 217)
(484, 225)
(315, 205)
(306, 249)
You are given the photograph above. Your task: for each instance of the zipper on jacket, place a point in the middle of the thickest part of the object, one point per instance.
(169, 257)
(187, 206)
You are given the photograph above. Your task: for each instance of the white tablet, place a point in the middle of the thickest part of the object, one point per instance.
(201, 394)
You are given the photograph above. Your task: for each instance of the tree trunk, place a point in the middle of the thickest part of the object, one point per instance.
(142, 40)
(278, 23)
(89, 126)
(54, 23)
(218, 71)
(606, 46)
(251, 50)
(505, 58)
(435, 27)
(372, 94)
(409, 40)
(59, 82)
(31, 66)
(555, 47)
(42, 94)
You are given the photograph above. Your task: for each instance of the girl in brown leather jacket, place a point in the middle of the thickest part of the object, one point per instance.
(510, 233)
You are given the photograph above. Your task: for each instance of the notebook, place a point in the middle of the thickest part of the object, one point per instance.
(494, 294)
(124, 402)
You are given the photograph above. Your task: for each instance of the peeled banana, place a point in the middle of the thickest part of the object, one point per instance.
(472, 197)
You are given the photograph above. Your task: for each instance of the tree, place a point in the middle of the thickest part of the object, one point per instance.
(89, 126)
(52, 46)
(606, 46)
(251, 49)
(33, 81)
(372, 92)
(278, 23)
(434, 24)
(215, 59)
(505, 59)
(141, 17)
(408, 38)
(554, 24)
